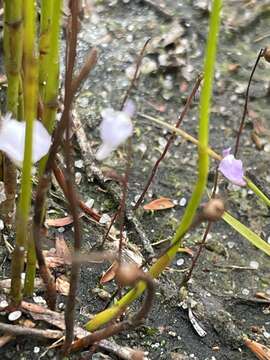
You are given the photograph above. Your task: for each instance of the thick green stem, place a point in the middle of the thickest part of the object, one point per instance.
(205, 106)
(50, 92)
(44, 42)
(13, 34)
(30, 87)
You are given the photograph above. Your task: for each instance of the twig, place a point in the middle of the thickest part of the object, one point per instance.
(59, 175)
(236, 148)
(206, 232)
(169, 142)
(88, 65)
(134, 78)
(72, 196)
(24, 331)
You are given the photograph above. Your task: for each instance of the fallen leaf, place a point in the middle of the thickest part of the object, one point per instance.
(62, 285)
(261, 351)
(110, 273)
(261, 295)
(60, 221)
(159, 204)
(52, 260)
(62, 250)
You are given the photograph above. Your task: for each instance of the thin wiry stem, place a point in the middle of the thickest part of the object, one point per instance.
(169, 142)
(237, 142)
(72, 196)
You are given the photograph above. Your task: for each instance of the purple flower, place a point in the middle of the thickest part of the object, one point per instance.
(231, 168)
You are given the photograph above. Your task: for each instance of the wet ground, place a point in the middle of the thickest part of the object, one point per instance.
(230, 271)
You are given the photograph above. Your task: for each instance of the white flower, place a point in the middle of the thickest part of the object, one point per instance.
(115, 128)
(12, 137)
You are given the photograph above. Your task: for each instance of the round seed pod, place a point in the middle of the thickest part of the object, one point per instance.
(266, 54)
(213, 210)
(127, 274)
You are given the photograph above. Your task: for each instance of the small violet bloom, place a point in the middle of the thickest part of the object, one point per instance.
(115, 128)
(12, 137)
(231, 168)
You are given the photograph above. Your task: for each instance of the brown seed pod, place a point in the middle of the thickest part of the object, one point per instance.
(266, 54)
(213, 210)
(127, 274)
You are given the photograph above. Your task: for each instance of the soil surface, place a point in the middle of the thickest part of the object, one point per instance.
(230, 270)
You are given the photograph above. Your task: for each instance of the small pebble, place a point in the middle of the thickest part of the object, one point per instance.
(254, 264)
(180, 262)
(15, 315)
(183, 201)
(266, 334)
(39, 300)
(245, 292)
(90, 203)
(79, 164)
(105, 218)
(3, 304)
(2, 225)
(61, 230)
(36, 350)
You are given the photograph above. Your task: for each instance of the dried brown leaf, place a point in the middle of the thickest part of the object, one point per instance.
(159, 204)
(62, 285)
(110, 273)
(62, 250)
(261, 351)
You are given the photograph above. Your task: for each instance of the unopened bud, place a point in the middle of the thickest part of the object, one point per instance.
(127, 274)
(213, 210)
(266, 54)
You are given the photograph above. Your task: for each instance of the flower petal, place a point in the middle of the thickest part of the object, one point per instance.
(115, 128)
(13, 146)
(232, 169)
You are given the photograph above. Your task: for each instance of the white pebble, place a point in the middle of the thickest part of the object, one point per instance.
(180, 262)
(36, 350)
(2, 225)
(15, 315)
(39, 300)
(105, 218)
(254, 264)
(245, 292)
(79, 164)
(183, 201)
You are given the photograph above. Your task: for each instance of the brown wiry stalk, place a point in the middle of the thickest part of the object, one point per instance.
(127, 275)
(88, 65)
(169, 142)
(72, 196)
(121, 209)
(206, 232)
(237, 142)
(58, 173)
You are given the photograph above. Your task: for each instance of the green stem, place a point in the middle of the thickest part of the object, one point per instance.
(50, 92)
(44, 42)
(13, 34)
(205, 106)
(30, 106)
